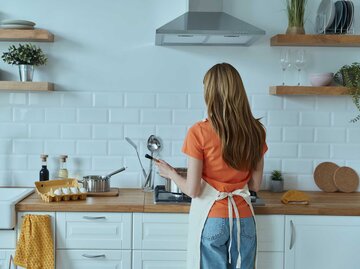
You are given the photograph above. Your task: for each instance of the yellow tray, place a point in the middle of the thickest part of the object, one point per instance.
(43, 189)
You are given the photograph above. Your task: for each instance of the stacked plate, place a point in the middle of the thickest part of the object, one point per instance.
(335, 17)
(17, 24)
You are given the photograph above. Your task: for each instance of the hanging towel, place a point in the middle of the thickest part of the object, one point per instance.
(35, 248)
(295, 197)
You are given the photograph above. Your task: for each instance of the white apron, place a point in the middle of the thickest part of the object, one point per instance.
(199, 210)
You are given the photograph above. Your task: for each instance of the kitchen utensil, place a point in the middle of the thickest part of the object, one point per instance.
(323, 79)
(170, 185)
(346, 179)
(137, 153)
(112, 192)
(151, 158)
(95, 183)
(153, 145)
(324, 176)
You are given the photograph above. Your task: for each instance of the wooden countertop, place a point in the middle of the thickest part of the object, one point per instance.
(135, 200)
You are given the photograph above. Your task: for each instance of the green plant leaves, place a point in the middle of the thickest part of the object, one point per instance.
(24, 54)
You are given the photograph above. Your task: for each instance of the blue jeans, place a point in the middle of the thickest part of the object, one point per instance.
(215, 241)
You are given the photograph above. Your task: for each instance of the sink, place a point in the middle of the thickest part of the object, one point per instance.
(8, 199)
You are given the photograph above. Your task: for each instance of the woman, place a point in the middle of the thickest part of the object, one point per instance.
(225, 160)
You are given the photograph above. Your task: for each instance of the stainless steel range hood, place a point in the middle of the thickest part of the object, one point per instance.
(207, 25)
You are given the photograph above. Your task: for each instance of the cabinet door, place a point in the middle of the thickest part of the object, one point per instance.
(5, 258)
(148, 259)
(161, 231)
(270, 232)
(93, 259)
(316, 242)
(270, 260)
(7, 239)
(89, 230)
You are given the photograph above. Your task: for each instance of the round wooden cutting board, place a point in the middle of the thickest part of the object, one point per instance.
(346, 179)
(324, 176)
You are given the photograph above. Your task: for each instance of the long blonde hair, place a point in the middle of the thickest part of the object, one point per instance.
(242, 136)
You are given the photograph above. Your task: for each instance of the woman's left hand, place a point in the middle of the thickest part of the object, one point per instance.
(165, 169)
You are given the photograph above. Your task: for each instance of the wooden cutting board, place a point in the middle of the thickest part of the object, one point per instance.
(112, 192)
(346, 179)
(324, 176)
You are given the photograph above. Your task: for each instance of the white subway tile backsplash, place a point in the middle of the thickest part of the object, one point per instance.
(6, 114)
(44, 130)
(299, 103)
(124, 115)
(171, 100)
(76, 131)
(91, 147)
(60, 115)
(196, 100)
(127, 180)
(177, 148)
(28, 115)
(28, 146)
(60, 146)
(267, 102)
(188, 117)
(297, 166)
(314, 151)
(107, 131)
(271, 164)
(13, 130)
(45, 100)
(108, 100)
(13, 162)
(344, 119)
(139, 100)
(6, 146)
(283, 118)
(307, 183)
(108, 163)
(139, 131)
(315, 118)
(132, 164)
(5, 98)
(121, 148)
(298, 134)
(156, 116)
(353, 136)
(328, 135)
(282, 150)
(171, 132)
(25, 178)
(346, 151)
(18, 98)
(89, 115)
(332, 103)
(75, 99)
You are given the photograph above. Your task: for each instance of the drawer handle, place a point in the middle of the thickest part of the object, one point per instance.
(292, 238)
(93, 256)
(93, 218)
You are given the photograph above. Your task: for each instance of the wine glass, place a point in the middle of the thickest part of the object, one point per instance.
(300, 62)
(285, 62)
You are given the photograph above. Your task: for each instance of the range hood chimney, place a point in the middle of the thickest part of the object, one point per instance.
(207, 25)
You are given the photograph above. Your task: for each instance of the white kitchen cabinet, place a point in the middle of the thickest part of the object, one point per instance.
(160, 231)
(319, 242)
(5, 258)
(87, 230)
(7, 239)
(270, 260)
(150, 259)
(93, 259)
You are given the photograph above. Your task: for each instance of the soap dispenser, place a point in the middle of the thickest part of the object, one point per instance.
(44, 172)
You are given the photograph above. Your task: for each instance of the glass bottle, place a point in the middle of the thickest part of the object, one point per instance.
(44, 172)
(63, 172)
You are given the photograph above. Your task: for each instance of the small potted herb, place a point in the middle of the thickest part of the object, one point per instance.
(277, 181)
(349, 76)
(26, 56)
(295, 11)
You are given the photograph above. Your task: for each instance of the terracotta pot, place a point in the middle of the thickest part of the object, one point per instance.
(295, 30)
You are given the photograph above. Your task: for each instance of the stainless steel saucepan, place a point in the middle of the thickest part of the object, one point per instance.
(95, 183)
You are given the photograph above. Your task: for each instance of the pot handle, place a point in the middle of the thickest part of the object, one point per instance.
(115, 172)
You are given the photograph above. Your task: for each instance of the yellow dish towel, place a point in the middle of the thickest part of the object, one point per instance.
(35, 248)
(295, 197)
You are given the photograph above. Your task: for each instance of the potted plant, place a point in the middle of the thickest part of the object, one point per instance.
(26, 56)
(277, 181)
(349, 76)
(295, 11)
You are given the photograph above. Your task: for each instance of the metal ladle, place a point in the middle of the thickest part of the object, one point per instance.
(153, 145)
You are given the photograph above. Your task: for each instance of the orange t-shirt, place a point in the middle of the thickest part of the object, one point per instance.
(203, 143)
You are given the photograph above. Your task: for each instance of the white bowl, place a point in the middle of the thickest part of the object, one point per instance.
(322, 79)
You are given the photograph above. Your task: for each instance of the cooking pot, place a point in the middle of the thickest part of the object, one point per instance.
(95, 183)
(171, 185)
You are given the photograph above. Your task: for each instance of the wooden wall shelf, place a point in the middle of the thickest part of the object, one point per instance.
(26, 86)
(36, 35)
(308, 90)
(316, 40)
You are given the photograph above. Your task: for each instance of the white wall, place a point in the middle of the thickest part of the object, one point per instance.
(112, 81)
